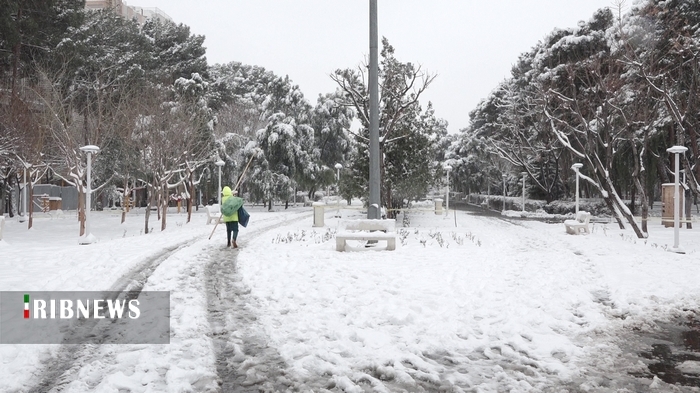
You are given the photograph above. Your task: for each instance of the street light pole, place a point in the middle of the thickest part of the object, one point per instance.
(219, 163)
(90, 150)
(24, 215)
(576, 167)
(677, 150)
(338, 167)
(374, 209)
(447, 194)
(523, 173)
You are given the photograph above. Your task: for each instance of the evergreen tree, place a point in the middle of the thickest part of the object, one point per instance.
(399, 118)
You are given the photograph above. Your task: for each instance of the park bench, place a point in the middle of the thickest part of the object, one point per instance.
(213, 213)
(366, 229)
(578, 225)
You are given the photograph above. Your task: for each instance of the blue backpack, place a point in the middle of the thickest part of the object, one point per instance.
(243, 216)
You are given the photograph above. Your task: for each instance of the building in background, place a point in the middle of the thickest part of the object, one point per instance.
(140, 14)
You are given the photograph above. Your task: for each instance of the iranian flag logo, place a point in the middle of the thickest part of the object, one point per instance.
(26, 306)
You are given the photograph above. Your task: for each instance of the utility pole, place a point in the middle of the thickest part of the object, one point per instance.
(374, 212)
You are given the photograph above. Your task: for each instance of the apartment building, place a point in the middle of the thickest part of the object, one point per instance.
(140, 14)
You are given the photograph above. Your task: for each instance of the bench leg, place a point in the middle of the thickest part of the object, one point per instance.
(339, 244)
(391, 244)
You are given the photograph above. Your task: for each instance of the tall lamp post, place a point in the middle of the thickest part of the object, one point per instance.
(576, 167)
(523, 173)
(219, 163)
(504, 192)
(447, 193)
(25, 215)
(677, 150)
(338, 167)
(90, 150)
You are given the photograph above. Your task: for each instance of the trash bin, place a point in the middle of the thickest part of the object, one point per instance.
(55, 203)
(668, 205)
(438, 206)
(319, 208)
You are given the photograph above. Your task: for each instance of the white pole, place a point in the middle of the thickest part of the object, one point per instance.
(676, 205)
(677, 150)
(337, 185)
(524, 173)
(576, 167)
(447, 193)
(89, 149)
(577, 191)
(219, 163)
(374, 210)
(24, 195)
(87, 196)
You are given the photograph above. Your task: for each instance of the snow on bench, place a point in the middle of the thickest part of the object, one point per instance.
(213, 213)
(579, 225)
(366, 229)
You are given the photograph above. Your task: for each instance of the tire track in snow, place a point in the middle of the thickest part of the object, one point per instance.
(60, 369)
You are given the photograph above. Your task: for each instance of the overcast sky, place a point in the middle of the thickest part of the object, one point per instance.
(470, 44)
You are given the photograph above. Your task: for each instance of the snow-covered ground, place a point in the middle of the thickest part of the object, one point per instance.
(465, 303)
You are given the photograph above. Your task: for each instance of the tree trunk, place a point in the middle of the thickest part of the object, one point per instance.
(81, 209)
(124, 198)
(150, 203)
(30, 203)
(15, 61)
(3, 192)
(632, 195)
(12, 205)
(644, 201)
(613, 200)
(190, 200)
(688, 209)
(164, 204)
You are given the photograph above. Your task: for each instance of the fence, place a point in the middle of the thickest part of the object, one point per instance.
(68, 195)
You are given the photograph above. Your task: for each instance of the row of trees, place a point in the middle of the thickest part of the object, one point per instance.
(162, 116)
(613, 93)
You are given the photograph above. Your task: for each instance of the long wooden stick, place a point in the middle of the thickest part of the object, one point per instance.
(237, 184)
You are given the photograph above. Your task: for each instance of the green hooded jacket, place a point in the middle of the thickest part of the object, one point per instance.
(226, 192)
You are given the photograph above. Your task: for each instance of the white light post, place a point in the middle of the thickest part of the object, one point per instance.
(677, 150)
(576, 167)
(504, 192)
(24, 215)
(523, 173)
(338, 167)
(447, 194)
(90, 150)
(219, 163)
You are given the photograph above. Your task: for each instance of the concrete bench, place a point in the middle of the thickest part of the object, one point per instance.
(366, 229)
(213, 213)
(579, 225)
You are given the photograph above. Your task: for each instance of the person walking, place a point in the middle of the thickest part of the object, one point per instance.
(230, 204)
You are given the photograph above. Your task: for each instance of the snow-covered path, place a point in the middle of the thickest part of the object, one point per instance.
(487, 306)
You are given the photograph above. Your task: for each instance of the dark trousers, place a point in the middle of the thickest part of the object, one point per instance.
(231, 228)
